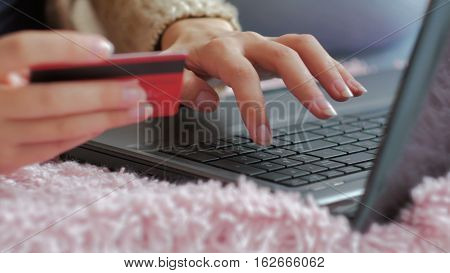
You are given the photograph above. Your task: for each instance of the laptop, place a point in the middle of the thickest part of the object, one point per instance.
(362, 164)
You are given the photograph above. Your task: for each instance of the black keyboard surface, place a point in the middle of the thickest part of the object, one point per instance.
(300, 154)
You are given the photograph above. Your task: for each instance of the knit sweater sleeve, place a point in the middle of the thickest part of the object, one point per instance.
(134, 25)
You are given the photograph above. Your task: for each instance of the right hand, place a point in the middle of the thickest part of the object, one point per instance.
(40, 121)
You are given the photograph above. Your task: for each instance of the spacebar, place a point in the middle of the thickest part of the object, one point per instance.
(354, 158)
(236, 167)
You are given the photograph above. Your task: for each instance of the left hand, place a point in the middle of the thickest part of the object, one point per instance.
(216, 51)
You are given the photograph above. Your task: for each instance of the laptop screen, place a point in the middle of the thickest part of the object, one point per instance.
(418, 136)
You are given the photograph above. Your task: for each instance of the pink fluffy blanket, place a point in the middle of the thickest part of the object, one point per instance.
(67, 207)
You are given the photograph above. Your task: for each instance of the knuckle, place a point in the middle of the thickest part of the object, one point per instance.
(307, 38)
(291, 37)
(218, 44)
(16, 43)
(21, 44)
(284, 52)
(252, 35)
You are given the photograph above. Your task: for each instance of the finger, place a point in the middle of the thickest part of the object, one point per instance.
(198, 94)
(62, 99)
(240, 75)
(320, 63)
(15, 79)
(24, 49)
(225, 61)
(65, 128)
(29, 154)
(286, 63)
(357, 88)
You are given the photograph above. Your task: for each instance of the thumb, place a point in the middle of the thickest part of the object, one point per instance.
(197, 93)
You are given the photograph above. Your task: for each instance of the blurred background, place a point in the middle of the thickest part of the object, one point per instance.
(344, 27)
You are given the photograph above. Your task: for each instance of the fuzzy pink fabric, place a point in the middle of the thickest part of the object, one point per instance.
(67, 207)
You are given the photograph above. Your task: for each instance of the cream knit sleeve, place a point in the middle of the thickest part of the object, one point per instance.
(134, 25)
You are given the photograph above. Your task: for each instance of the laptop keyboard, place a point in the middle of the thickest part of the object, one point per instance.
(301, 154)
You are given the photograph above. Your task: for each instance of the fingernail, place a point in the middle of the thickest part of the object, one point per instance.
(357, 85)
(16, 80)
(141, 112)
(263, 135)
(205, 100)
(326, 107)
(132, 93)
(102, 47)
(341, 88)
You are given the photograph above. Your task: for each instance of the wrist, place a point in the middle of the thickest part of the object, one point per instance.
(194, 30)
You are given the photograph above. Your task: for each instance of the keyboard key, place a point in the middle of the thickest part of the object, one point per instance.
(360, 136)
(377, 139)
(274, 177)
(245, 159)
(365, 124)
(381, 120)
(304, 158)
(347, 119)
(349, 169)
(312, 178)
(200, 157)
(263, 156)
(311, 168)
(220, 144)
(349, 148)
(254, 146)
(328, 122)
(280, 152)
(375, 151)
(326, 153)
(376, 132)
(301, 137)
(293, 172)
(295, 129)
(374, 115)
(327, 132)
(329, 164)
(279, 132)
(239, 150)
(236, 140)
(367, 144)
(286, 162)
(354, 158)
(221, 153)
(236, 167)
(341, 140)
(306, 126)
(268, 166)
(294, 182)
(310, 146)
(276, 142)
(366, 165)
(346, 128)
(332, 174)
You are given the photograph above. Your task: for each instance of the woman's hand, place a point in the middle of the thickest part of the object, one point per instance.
(215, 50)
(40, 121)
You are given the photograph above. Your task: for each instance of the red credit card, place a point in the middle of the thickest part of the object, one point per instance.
(160, 75)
